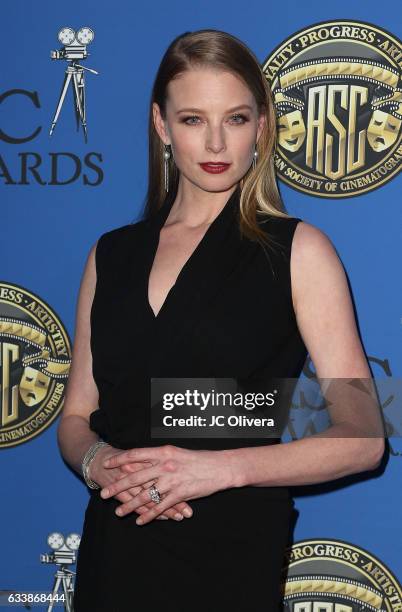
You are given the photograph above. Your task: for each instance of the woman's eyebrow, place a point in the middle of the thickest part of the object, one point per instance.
(198, 110)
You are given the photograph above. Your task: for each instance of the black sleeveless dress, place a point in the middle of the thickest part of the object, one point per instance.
(229, 314)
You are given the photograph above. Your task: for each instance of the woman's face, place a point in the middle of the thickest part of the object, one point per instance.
(211, 116)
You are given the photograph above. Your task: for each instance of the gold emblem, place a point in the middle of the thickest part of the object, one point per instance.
(337, 92)
(336, 576)
(35, 358)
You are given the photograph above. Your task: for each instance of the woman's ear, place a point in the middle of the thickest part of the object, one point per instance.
(160, 124)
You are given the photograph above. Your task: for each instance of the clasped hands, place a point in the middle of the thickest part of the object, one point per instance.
(178, 473)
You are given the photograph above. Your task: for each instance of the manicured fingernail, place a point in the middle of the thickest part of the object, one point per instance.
(164, 518)
(187, 512)
(178, 516)
(105, 493)
(139, 521)
(119, 512)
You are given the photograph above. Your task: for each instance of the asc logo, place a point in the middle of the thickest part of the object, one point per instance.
(35, 358)
(338, 97)
(335, 576)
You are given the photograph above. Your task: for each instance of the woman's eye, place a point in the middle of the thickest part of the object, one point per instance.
(190, 120)
(239, 118)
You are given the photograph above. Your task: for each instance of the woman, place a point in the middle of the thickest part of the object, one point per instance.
(204, 286)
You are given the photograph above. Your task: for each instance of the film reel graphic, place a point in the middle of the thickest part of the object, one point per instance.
(34, 366)
(337, 91)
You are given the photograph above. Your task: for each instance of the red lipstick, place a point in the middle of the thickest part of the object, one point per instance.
(214, 167)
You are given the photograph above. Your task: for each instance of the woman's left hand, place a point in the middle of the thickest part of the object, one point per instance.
(179, 474)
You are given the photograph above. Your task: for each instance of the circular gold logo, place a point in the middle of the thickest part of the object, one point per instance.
(337, 92)
(335, 576)
(35, 358)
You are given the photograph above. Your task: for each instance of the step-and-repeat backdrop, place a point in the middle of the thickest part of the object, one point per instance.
(335, 72)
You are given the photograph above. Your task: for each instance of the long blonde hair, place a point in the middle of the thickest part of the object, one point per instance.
(259, 189)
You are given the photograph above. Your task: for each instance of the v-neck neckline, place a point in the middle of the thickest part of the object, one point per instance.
(157, 223)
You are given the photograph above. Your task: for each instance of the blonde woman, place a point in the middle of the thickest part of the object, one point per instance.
(216, 281)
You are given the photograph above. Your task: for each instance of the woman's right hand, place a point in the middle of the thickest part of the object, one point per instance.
(104, 476)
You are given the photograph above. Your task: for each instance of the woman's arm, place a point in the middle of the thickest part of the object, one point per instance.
(307, 461)
(326, 321)
(74, 434)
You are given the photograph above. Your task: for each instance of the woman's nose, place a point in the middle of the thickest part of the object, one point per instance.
(215, 141)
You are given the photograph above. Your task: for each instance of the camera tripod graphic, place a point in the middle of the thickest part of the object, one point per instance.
(64, 554)
(74, 50)
(63, 577)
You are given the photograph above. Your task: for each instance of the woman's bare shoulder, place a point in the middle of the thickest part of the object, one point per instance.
(312, 249)
(323, 305)
(314, 259)
(309, 240)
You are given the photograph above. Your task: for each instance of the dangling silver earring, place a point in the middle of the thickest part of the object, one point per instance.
(255, 157)
(166, 157)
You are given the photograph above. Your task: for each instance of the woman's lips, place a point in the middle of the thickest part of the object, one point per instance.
(214, 168)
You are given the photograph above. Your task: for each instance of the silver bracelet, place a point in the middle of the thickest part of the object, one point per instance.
(87, 460)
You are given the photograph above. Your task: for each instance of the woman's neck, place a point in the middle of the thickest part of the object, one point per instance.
(194, 206)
